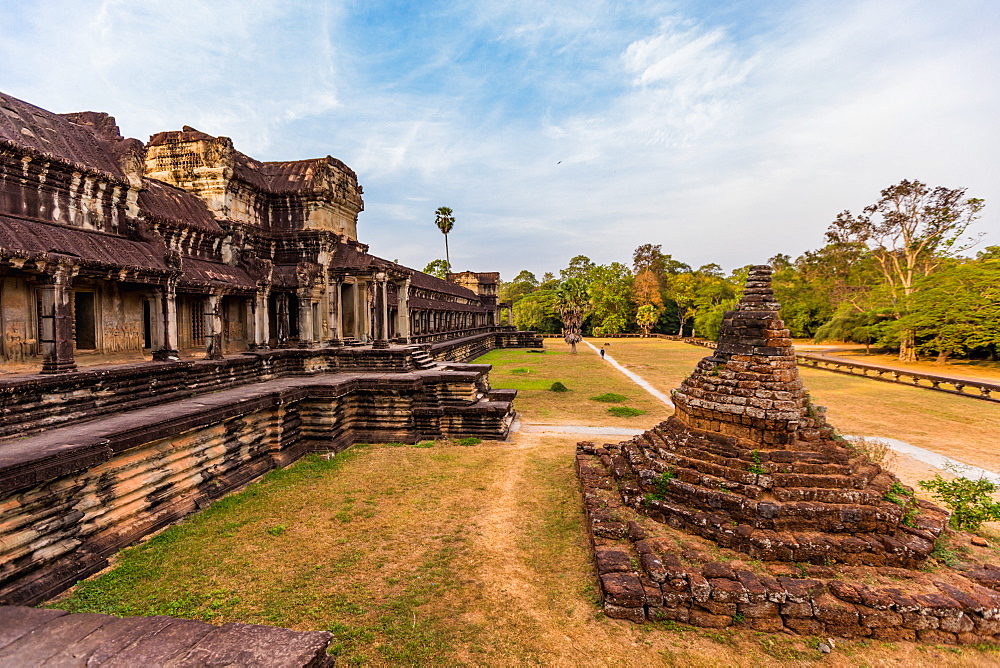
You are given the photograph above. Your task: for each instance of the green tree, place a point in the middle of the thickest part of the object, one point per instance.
(572, 303)
(445, 221)
(849, 324)
(437, 268)
(715, 295)
(646, 316)
(530, 313)
(523, 284)
(908, 232)
(683, 291)
(579, 267)
(956, 309)
(650, 257)
(610, 290)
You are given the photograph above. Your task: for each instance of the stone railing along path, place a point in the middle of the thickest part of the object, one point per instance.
(941, 383)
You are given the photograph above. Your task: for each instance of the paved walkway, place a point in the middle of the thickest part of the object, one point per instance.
(937, 460)
(573, 429)
(635, 378)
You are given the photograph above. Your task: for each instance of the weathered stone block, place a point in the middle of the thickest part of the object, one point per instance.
(637, 615)
(718, 570)
(706, 619)
(728, 591)
(612, 561)
(919, 622)
(623, 589)
(767, 624)
(872, 618)
(807, 626)
(700, 589)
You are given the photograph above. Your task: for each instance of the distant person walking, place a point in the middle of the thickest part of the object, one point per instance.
(602, 353)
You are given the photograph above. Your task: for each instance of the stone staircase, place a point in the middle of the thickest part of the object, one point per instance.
(422, 360)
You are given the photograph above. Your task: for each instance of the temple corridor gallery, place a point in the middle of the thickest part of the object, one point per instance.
(112, 249)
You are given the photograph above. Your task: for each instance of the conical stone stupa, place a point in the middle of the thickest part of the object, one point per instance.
(749, 462)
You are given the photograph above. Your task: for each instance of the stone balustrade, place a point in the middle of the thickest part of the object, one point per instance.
(966, 387)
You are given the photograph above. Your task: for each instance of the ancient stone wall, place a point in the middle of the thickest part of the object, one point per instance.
(72, 496)
(30, 403)
(471, 347)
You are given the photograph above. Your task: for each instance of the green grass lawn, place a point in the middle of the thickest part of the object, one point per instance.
(584, 374)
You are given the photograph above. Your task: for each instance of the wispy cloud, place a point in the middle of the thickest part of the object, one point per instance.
(726, 133)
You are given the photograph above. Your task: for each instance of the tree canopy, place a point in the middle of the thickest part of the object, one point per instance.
(893, 276)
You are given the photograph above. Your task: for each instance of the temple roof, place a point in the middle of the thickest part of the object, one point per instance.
(216, 274)
(282, 177)
(59, 137)
(162, 201)
(37, 240)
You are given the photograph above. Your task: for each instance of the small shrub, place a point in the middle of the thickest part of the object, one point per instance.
(277, 530)
(558, 387)
(625, 411)
(662, 486)
(520, 370)
(424, 444)
(898, 494)
(903, 498)
(968, 500)
(945, 553)
(610, 398)
(472, 440)
(877, 450)
(758, 467)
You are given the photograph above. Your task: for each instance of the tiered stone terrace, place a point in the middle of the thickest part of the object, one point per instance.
(165, 440)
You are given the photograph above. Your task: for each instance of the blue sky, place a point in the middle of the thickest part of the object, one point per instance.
(725, 131)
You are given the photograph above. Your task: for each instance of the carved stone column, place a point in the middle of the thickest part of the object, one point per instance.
(213, 327)
(403, 310)
(156, 320)
(366, 298)
(259, 320)
(334, 316)
(381, 313)
(168, 309)
(57, 321)
(305, 318)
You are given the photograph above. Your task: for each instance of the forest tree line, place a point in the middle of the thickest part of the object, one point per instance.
(899, 275)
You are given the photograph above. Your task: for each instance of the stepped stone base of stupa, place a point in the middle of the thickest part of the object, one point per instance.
(648, 570)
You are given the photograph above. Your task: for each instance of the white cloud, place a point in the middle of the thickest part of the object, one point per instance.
(555, 129)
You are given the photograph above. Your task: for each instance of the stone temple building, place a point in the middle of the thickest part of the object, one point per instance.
(110, 248)
(178, 319)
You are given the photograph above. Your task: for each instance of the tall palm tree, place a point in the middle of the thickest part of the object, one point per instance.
(573, 304)
(444, 219)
